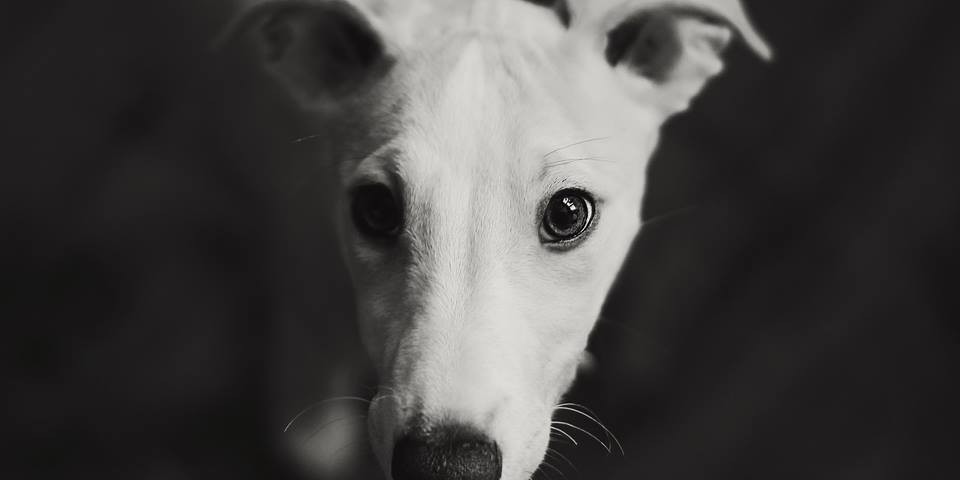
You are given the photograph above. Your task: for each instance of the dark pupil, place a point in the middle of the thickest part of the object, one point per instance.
(566, 216)
(375, 211)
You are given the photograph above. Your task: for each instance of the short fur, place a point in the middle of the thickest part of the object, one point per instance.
(487, 109)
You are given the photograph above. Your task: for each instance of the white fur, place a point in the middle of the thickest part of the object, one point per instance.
(469, 317)
(491, 324)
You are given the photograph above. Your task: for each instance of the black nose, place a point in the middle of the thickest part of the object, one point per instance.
(446, 453)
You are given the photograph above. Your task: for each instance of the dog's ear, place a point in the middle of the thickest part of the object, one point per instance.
(322, 51)
(666, 51)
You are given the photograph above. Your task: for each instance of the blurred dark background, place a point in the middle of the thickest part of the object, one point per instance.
(172, 292)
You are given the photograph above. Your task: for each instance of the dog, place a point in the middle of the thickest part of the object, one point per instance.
(493, 157)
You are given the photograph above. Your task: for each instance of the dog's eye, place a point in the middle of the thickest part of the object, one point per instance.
(567, 216)
(375, 211)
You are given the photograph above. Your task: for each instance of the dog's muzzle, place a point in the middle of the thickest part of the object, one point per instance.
(449, 452)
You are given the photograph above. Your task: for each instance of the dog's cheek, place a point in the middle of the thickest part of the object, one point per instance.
(378, 321)
(378, 286)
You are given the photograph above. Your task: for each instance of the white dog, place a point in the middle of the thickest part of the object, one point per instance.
(492, 183)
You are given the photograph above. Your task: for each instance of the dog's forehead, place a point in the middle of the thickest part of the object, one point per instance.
(478, 103)
(410, 24)
(494, 106)
(488, 101)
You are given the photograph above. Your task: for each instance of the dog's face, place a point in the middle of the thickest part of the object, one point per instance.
(490, 195)
(505, 211)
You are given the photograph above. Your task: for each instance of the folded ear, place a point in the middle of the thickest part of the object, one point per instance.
(667, 51)
(322, 51)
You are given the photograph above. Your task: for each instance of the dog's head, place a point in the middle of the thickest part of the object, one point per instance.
(492, 185)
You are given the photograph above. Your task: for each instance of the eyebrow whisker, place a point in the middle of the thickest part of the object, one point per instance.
(308, 137)
(578, 159)
(595, 139)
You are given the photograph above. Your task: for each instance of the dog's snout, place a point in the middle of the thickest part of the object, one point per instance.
(446, 453)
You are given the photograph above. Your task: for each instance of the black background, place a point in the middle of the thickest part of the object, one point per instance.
(172, 292)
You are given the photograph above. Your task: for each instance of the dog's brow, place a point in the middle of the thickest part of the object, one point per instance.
(375, 167)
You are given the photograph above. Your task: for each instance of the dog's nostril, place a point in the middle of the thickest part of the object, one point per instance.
(447, 453)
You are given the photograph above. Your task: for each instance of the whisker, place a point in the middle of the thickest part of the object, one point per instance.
(554, 452)
(593, 417)
(340, 399)
(607, 448)
(559, 438)
(378, 398)
(540, 470)
(555, 469)
(663, 217)
(578, 159)
(308, 137)
(384, 391)
(581, 142)
(565, 434)
(317, 404)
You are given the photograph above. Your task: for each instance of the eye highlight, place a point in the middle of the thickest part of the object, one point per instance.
(376, 212)
(567, 216)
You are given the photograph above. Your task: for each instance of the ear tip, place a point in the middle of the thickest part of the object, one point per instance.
(754, 41)
(760, 47)
(733, 13)
(751, 37)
